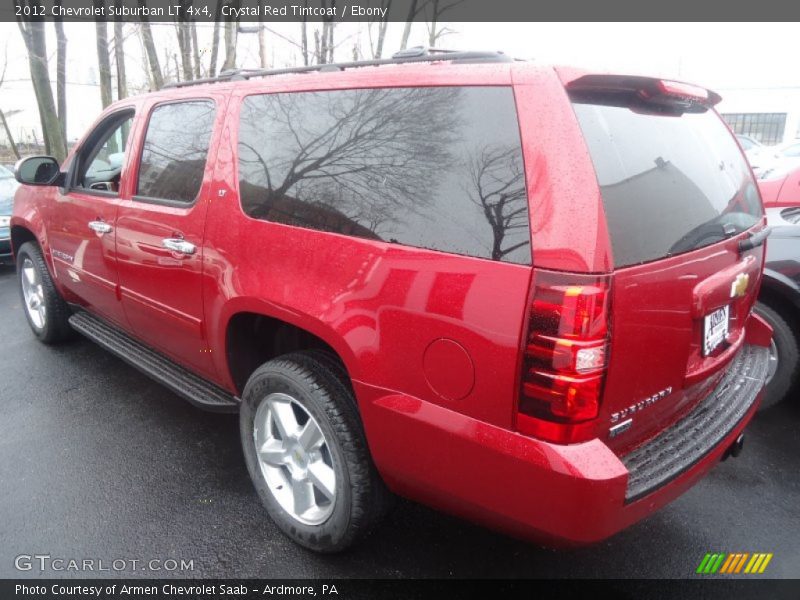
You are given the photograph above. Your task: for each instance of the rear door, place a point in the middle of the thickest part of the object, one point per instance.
(679, 198)
(160, 230)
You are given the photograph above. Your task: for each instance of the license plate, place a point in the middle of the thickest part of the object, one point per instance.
(715, 329)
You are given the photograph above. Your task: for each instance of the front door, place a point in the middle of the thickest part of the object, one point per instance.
(160, 231)
(82, 226)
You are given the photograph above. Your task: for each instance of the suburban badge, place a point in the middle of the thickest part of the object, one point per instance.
(641, 405)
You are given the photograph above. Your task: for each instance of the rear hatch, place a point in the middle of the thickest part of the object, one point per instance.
(679, 200)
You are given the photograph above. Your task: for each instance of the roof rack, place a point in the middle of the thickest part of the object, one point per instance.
(410, 55)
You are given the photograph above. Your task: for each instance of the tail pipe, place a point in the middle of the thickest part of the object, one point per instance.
(735, 449)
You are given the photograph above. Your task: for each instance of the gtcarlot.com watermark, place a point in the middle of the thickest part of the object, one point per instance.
(45, 563)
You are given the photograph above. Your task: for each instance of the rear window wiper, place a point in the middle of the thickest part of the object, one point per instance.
(754, 239)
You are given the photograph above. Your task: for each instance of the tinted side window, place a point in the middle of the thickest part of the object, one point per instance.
(437, 168)
(175, 151)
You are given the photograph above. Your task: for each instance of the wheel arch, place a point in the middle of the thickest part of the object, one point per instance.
(21, 234)
(253, 331)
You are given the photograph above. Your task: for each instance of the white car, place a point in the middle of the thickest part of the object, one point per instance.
(758, 155)
(779, 160)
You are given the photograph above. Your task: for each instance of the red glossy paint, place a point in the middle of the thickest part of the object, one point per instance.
(781, 192)
(432, 341)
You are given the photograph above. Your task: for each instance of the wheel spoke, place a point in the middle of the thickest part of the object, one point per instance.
(30, 275)
(284, 418)
(272, 452)
(303, 494)
(310, 437)
(323, 478)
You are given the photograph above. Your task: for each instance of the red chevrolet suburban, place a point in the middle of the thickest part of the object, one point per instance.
(517, 293)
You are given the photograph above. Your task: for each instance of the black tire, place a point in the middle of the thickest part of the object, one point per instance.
(56, 327)
(383, 500)
(786, 351)
(319, 388)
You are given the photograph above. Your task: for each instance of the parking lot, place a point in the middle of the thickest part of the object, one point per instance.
(97, 461)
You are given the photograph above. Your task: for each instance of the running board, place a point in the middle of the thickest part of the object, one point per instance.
(180, 380)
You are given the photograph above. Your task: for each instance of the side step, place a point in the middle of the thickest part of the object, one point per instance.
(180, 380)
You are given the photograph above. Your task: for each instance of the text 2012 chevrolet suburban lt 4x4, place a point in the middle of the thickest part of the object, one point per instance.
(515, 293)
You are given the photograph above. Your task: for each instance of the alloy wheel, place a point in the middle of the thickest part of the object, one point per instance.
(295, 459)
(33, 293)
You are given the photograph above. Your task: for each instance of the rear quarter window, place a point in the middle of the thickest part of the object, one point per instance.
(436, 167)
(670, 183)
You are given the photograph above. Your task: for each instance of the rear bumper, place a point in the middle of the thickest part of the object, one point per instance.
(574, 494)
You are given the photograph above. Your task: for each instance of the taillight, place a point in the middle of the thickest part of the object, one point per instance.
(565, 355)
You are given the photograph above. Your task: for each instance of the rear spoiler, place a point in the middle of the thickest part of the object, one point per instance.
(648, 89)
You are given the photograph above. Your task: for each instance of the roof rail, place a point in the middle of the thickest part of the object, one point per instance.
(409, 55)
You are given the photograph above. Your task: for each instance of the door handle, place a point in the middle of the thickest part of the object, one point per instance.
(100, 227)
(178, 245)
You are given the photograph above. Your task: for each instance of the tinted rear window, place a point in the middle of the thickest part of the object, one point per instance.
(671, 183)
(437, 167)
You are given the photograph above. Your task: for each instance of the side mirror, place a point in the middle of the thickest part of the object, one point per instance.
(38, 170)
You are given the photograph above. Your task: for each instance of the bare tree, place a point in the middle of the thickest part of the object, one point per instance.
(156, 76)
(61, 72)
(103, 61)
(324, 39)
(414, 8)
(376, 46)
(231, 33)
(372, 154)
(212, 68)
(436, 9)
(195, 49)
(304, 36)
(497, 181)
(184, 39)
(328, 26)
(262, 37)
(3, 120)
(119, 60)
(319, 58)
(33, 34)
(186, 30)
(177, 68)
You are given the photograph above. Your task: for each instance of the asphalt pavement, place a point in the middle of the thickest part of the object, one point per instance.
(99, 462)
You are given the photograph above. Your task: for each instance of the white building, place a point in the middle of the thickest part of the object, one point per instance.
(771, 115)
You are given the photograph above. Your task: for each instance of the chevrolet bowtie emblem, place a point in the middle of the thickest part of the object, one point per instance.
(739, 285)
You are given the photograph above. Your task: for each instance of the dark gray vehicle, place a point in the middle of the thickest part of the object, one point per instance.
(779, 301)
(8, 186)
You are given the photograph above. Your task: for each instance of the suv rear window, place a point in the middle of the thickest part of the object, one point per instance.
(436, 167)
(671, 183)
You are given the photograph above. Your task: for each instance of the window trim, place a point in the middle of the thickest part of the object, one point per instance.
(111, 120)
(168, 201)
